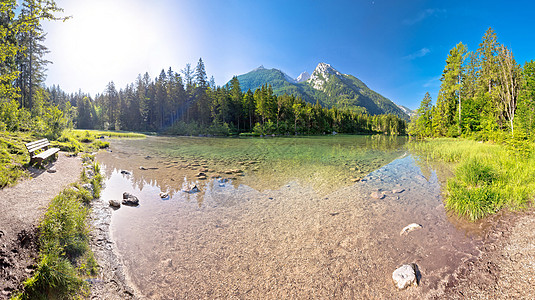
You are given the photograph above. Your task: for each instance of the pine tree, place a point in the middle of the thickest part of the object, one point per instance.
(421, 122)
(450, 91)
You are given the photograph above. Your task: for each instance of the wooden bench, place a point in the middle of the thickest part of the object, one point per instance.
(40, 145)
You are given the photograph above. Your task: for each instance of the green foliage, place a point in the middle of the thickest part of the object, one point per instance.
(484, 94)
(13, 157)
(488, 177)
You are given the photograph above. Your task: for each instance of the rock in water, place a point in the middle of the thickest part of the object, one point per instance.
(377, 195)
(192, 189)
(405, 276)
(410, 228)
(125, 172)
(164, 195)
(129, 199)
(397, 191)
(115, 203)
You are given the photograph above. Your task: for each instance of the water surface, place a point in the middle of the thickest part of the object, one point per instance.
(281, 217)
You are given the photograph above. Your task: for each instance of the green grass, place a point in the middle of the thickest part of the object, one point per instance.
(14, 157)
(65, 258)
(103, 133)
(488, 177)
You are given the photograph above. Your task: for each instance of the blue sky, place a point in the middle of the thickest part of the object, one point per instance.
(398, 48)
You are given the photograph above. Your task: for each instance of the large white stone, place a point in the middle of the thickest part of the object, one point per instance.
(404, 277)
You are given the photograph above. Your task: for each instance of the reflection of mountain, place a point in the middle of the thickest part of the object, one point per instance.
(321, 163)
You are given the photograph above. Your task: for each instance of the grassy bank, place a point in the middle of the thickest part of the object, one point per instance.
(488, 177)
(14, 158)
(65, 258)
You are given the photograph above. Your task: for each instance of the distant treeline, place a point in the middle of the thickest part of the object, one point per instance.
(484, 94)
(190, 104)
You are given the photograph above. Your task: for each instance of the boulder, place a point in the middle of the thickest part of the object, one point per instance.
(115, 203)
(129, 199)
(405, 276)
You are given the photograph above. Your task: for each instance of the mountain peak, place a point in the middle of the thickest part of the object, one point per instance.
(321, 75)
(303, 77)
(259, 68)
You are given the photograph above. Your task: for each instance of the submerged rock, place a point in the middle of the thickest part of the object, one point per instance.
(142, 168)
(355, 179)
(125, 172)
(397, 191)
(192, 189)
(410, 228)
(164, 195)
(51, 170)
(129, 199)
(405, 276)
(377, 195)
(115, 203)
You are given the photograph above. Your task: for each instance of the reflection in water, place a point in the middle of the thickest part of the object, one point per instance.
(291, 224)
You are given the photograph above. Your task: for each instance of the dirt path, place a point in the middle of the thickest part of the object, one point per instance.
(21, 208)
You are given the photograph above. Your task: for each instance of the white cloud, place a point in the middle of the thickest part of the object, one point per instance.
(432, 82)
(420, 53)
(422, 15)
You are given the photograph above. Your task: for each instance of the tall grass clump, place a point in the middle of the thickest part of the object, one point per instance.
(488, 176)
(471, 192)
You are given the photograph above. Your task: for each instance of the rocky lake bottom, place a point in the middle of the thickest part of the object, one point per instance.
(282, 218)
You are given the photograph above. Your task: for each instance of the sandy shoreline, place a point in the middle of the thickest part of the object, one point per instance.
(112, 282)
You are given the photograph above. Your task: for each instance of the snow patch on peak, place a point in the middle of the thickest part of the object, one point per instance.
(321, 75)
(303, 77)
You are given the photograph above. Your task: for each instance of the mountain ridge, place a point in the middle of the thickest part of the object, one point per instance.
(327, 86)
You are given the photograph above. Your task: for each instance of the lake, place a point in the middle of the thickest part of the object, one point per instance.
(286, 217)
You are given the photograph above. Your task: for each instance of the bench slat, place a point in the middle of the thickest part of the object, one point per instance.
(36, 142)
(31, 150)
(47, 153)
(37, 145)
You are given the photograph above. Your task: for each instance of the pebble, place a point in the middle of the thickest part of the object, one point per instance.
(377, 195)
(115, 203)
(409, 228)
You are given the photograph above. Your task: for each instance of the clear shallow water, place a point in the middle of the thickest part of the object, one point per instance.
(292, 224)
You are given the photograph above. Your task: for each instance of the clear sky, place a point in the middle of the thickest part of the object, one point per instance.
(398, 47)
